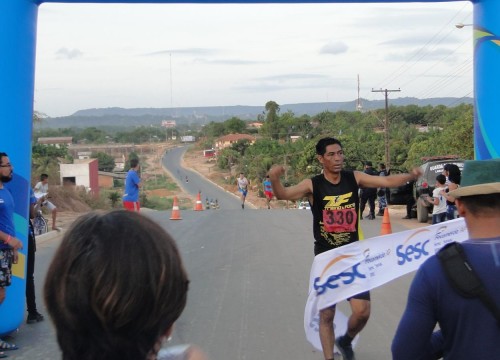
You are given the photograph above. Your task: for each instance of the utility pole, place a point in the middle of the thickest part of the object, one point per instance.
(386, 125)
(359, 107)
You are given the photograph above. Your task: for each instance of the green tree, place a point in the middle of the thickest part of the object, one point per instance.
(458, 137)
(38, 117)
(227, 158)
(45, 159)
(92, 135)
(271, 125)
(114, 197)
(214, 129)
(106, 162)
(234, 126)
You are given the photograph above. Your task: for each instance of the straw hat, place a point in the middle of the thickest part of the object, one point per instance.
(479, 177)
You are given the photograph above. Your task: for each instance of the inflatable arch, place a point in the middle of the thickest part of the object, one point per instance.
(18, 19)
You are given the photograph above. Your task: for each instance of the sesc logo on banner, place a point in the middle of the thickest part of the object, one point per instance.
(338, 279)
(416, 248)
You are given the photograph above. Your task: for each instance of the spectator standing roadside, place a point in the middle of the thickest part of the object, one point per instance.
(268, 191)
(468, 330)
(439, 201)
(381, 192)
(242, 183)
(453, 177)
(334, 200)
(33, 315)
(368, 194)
(409, 206)
(132, 185)
(41, 191)
(9, 244)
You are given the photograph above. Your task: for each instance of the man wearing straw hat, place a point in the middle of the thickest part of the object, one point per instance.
(468, 328)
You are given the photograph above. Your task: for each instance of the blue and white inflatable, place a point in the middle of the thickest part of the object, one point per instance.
(18, 27)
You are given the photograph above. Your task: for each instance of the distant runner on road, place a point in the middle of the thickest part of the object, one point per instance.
(243, 188)
(268, 191)
(333, 196)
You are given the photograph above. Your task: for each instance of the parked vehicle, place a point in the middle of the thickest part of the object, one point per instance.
(420, 191)
(303, 205)
(432, 167)
(400, 195)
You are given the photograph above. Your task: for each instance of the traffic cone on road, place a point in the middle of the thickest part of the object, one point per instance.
(199, 205)
(386, 223)
(176, 213)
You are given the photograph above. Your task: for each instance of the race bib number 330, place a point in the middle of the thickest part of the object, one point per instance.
(341, 220)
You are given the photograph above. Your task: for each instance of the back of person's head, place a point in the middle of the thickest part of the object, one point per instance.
(115, 287)
(441, 179)
(134, 162)
(323, 143)
(480, 187)
(454, 174)
(382, 166)
(43, 177)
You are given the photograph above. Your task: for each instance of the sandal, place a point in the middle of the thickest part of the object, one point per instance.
(6, 346)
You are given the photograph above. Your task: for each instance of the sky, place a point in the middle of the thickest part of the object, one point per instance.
(189, 55)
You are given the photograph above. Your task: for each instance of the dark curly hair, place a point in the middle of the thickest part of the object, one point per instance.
(115, 287)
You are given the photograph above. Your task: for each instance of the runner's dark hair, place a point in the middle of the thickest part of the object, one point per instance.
(323, 143)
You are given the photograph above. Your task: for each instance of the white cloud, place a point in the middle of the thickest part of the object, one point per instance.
(65, 53)
(155, 55)
(334, 48)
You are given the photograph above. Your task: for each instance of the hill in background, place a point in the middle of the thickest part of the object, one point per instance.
(116, 116)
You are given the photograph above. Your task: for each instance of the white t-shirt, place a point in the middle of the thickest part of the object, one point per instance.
(441, 207)
(242, 183)
(41, 189)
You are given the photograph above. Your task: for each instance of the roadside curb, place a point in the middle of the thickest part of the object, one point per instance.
(51, 235)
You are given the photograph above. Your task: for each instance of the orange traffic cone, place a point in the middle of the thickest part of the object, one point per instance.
(176, 213)
(198, 206)
(386, 223)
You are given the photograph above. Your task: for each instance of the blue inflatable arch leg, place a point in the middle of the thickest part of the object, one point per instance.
(17, 67)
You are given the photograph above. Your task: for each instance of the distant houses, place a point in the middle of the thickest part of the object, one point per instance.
(83, 172)
(228, 140)
(56, 141)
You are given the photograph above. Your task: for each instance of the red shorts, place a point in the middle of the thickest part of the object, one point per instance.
(132, 205)
(269, 194)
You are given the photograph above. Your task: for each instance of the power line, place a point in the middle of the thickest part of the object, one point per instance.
(401, 70)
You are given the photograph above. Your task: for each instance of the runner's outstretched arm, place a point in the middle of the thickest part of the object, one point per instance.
(299, 191)
(367, 181)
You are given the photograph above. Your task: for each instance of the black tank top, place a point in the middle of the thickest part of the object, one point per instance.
(335, 212)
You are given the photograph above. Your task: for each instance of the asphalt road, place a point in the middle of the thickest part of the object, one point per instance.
(249, 271)
(172, 162)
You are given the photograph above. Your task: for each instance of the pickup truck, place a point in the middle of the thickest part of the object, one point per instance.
(419, 192)
(424, 186)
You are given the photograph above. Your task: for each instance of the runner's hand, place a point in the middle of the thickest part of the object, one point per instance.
(276, 171)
